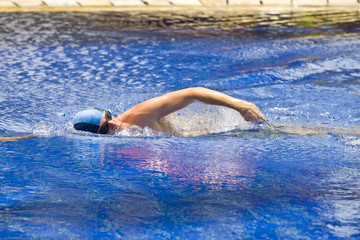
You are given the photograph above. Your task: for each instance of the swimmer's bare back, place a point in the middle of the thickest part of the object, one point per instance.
(7, 139)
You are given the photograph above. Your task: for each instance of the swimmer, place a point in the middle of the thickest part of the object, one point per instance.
(150, 112)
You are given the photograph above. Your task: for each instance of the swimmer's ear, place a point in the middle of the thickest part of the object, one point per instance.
(7, 139)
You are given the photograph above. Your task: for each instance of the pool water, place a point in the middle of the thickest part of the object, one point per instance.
(236, 181)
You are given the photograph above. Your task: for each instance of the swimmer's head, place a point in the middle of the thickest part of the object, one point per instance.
(89, 120)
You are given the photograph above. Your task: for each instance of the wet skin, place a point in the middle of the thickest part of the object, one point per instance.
(148, 113)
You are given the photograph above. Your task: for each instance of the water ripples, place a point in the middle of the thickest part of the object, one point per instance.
(56, 78)
(240, 179)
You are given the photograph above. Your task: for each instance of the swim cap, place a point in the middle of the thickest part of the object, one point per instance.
(88, 120)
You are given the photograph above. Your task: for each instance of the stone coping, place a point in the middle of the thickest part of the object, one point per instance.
(178, 8)
(169, 5)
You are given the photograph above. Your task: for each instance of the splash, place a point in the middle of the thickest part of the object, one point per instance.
(200, 119)
(196, 120)
(136, 131)
(55, 124)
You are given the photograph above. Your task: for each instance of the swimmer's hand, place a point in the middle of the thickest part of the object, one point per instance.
(250, 112)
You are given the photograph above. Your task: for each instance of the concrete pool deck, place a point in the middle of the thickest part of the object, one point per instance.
(150, 5)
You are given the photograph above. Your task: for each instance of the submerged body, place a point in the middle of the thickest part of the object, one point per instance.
(307, 129)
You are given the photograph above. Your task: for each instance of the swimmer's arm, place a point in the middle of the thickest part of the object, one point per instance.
(156, 108)
(248, 110)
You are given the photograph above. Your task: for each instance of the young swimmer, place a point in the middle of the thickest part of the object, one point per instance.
(148, 113)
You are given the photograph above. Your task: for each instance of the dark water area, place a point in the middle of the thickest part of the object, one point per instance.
(239, 181)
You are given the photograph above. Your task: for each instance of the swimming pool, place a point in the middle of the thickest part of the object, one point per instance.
(238, 181)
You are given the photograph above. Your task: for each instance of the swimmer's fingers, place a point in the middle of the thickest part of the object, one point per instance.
(252, 114)
(254, 117)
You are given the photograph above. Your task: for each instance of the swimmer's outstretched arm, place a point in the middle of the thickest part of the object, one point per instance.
(146, 113)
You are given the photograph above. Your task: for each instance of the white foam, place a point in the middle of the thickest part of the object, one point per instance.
(136, 131)
(200, 119)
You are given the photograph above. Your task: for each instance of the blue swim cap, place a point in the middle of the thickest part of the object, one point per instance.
(88, 120)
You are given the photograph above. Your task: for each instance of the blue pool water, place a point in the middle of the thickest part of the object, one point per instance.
(237, 181)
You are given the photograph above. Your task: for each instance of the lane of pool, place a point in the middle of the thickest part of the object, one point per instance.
(240, 182)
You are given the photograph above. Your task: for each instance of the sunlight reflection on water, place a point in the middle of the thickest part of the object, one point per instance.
(238, 180)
